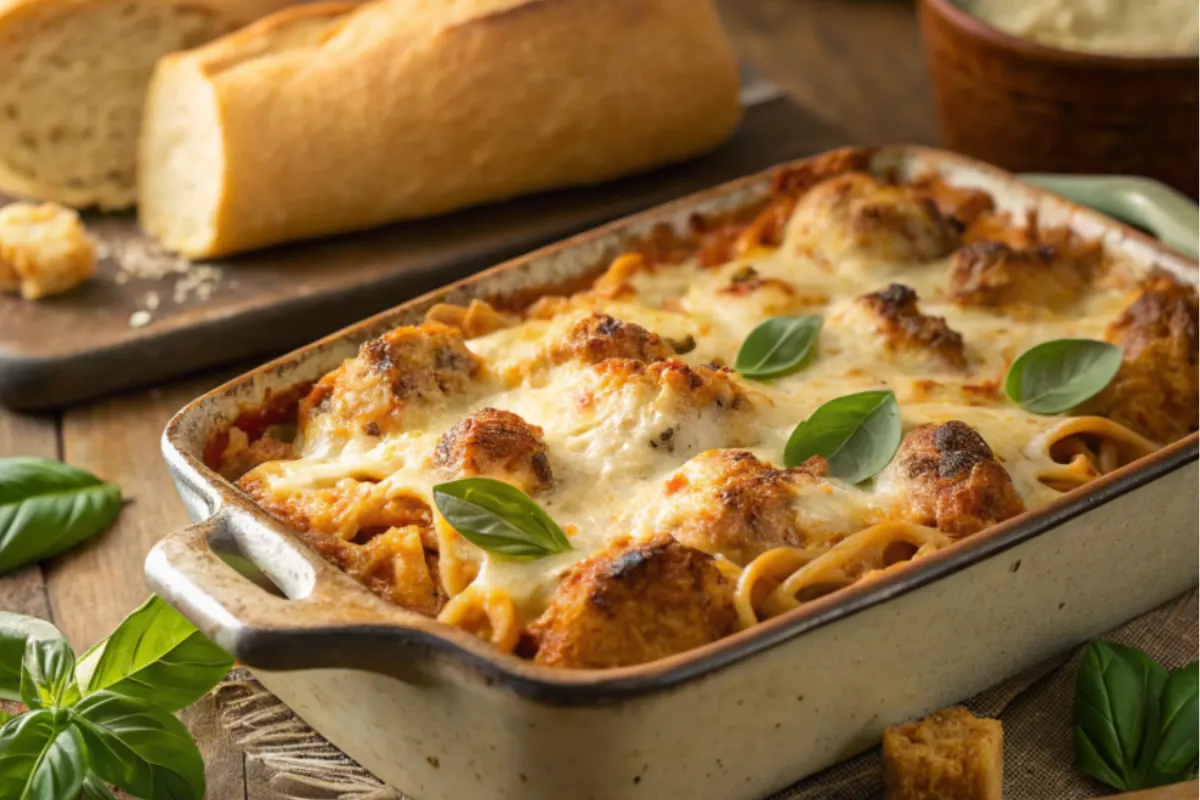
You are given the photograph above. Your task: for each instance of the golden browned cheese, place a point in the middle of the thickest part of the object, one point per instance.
(949, 755)
(600, 336)
(1156, 391)
(856, 216)
(496, 444)
(698, 387)
(905, 328)
(955, 483)
(633, 603)
(746, 505)
(996, 275)
(404, 367)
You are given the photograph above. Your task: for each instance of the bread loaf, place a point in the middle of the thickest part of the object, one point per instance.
(329, 118)
(73, 75)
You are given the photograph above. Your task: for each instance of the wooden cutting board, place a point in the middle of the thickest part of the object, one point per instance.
(82, 344)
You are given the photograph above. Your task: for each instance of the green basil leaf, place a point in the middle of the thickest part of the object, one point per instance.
(4, 716)
(95, 789)
(1178, 742)
(499, 518)
(858, 434)
(777, 346)
(139, 747)
(47, 507)
(41, 757)
(157, 655)
(1054, 377)
(1115, 688)
(15, 631)
(48, 674)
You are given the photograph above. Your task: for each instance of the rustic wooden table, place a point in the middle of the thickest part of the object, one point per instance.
(856, 64)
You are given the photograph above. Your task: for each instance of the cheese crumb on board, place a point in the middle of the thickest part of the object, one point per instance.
(44, 250)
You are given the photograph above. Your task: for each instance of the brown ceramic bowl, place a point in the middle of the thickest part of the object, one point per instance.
(1028, 107)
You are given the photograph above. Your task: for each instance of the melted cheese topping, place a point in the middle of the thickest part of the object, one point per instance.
(606, 444)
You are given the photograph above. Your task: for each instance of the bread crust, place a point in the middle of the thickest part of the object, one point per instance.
(45, 18)
(332, 117)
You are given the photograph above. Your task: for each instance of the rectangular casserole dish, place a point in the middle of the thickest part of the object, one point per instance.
(437, 713)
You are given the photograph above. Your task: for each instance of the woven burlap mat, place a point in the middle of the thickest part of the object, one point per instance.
(1034, 706)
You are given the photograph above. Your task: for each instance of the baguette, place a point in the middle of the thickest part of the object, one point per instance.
(330, 117)
(73, 74)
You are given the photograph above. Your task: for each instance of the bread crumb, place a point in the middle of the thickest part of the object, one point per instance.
(44, 250)
(139, 318)
(146, 259)
(949, 755)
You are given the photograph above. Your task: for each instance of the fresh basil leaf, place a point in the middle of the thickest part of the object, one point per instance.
(499, 518)
(139, 747)
(4, 716)
(48, 674)
(157, 655)
(15, 631)
(47, 507)
(95, 789)
(858, 434)
(1114, 691)
(1054, 377)
(1177, 741)
(777, 346)
(41, 757)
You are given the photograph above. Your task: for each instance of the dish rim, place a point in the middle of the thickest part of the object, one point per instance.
(350, 645)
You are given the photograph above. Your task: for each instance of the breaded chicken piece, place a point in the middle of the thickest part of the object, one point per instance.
(599, 336)
(496, 444)
(855, 216)
(44, 250)
(906, 330)
(995, 275)
(697, 387)
(953, 480)
(1156, 392)
(739, 506)
(632, 603)
(949, 755)
(419, 366)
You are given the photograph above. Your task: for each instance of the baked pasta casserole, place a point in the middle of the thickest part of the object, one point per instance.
(728, 423)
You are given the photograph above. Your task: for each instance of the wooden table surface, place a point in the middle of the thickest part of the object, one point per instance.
(856, 63)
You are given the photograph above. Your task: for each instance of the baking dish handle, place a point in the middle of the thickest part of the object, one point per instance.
(1151, 205)
(299, 613)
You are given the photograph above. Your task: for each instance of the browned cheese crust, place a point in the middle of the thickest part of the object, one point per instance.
(496, 444)
(857, 215)
(957, 485)
(996, 275)
(747, 506)
(905, 328)
(633, 603)
(599, 337)
(949, 755)
(403, 368)
(1156, 392)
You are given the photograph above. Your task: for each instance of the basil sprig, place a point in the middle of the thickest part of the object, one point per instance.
(156, 655)
(108, 719)
(857, 434)
(777, 346)
(499, 518)
(1135, 722)
(47, 507)
(1055, 376)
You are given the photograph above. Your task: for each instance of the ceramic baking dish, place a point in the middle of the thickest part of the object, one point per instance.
(442, 716)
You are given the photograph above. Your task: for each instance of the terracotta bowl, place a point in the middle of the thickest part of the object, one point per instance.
(1028, 107)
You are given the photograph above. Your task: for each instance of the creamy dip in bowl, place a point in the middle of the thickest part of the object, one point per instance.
(1117, 27)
